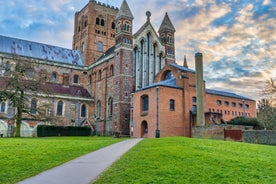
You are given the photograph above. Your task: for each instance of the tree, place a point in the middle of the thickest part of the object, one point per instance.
(270, 89)
(266, 113)
(19, 80)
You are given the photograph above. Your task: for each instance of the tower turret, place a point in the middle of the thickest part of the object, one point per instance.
(166, 34)
(123, 81)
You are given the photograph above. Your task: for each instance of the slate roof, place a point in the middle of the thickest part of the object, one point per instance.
(166, 24)
(40, 51)
(226, 94)
(166, 83)
(182, 68)
(124, 11)
(107, 53)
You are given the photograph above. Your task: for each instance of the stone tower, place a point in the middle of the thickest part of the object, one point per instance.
(166, 34)
(94, 30)
(123, 81)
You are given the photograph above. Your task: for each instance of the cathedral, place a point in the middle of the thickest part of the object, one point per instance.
(114, 80)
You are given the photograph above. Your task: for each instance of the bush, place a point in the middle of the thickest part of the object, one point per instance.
(246, 122)
(49, 130)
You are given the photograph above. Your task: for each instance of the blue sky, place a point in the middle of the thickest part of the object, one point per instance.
(237, 37)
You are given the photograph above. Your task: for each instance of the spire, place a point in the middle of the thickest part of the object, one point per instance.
(166, 24)
(124, 11)
(185, 64)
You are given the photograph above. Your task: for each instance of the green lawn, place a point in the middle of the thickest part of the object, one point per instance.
(183, 160)
(21, 158)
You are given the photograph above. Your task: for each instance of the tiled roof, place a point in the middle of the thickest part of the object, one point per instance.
(40, 51)
(57, 89)
(75, 91)
(227, 94)
(182, 68)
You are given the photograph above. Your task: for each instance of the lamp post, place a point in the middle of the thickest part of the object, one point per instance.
(157, 131)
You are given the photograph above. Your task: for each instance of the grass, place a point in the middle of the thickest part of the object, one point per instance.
(21, 158)
(183, 160)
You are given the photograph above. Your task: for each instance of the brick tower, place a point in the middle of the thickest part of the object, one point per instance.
(123, 80)
(166, 34)
(94, 30)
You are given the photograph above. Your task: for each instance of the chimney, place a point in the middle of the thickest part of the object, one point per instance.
(200, 116)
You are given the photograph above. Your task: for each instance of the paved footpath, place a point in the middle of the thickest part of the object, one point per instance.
(84, 169)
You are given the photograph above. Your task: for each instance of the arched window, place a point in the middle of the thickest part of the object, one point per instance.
(97, 21)
(83, 111)
(110, 107)
(100, 75)
(54, 76)
(100, 46)
(76, 79)
(112, 25)
(111, 70)
(102, 22)
(145, 103)
(3, 107)
(59, 108)
(172, 104)
(33, 106)
(168, 75)
(99, 109)
(85, 21)
(82, 47)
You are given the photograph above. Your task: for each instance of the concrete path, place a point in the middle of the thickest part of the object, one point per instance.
(84, 169)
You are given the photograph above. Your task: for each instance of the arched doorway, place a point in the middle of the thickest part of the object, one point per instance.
(144, 128)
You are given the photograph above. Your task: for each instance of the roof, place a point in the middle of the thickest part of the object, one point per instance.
(40, 51)
(57, 89)
(226, 94)
(181, 68)
(107, 53)
(166, 83)
(76, 91)
(124, 11)
(166, 24)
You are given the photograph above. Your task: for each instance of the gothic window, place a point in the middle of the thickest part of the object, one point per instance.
(97, 21)
(33, 106)
(31, 74)
(54, 76)
(145, 103)
(59, 108)
(83, 111)
(110, 107)
(172, 104)
(76, 79)
(85, 21)
(82, 47)
(100, 46)
(112, 25)
(127, 28)
(111, 70)
(3, 107)
(194, 99)
(102, 22)
(100, 75)
(99, 109)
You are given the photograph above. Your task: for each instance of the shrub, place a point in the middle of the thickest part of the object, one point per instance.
(246, 122)
(49, 130)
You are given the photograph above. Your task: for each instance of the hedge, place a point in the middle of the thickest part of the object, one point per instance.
(49, 130)
(246, 122)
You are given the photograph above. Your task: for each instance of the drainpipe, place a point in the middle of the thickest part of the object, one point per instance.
(157, 131)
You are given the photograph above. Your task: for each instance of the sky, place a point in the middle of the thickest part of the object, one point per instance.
(236, 37)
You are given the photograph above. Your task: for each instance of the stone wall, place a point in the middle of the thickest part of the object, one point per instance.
(259, 136)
